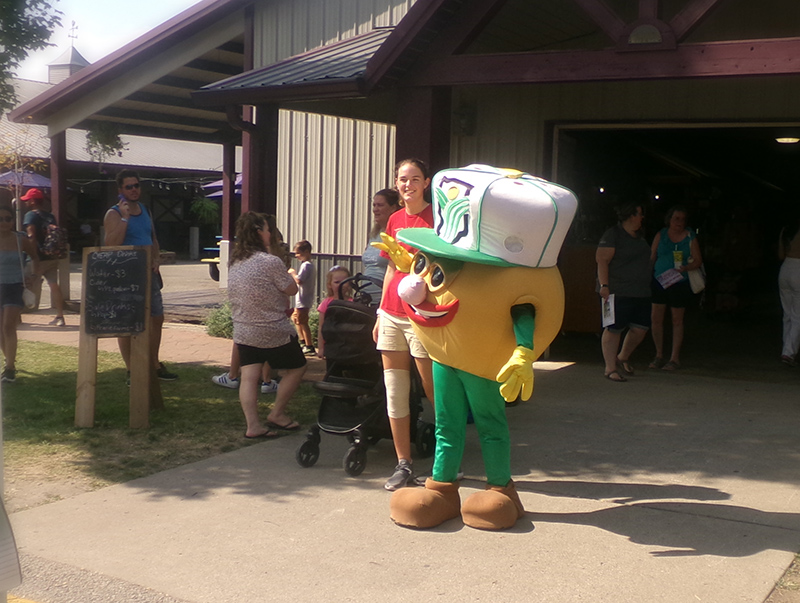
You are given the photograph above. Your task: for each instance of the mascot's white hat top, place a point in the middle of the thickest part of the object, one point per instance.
(495, 216)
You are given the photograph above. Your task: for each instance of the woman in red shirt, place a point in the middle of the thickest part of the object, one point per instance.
(393, 333)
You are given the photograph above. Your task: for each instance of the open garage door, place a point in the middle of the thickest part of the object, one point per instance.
(737, 181)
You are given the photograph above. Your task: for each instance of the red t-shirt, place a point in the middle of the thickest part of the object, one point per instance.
(397, 221)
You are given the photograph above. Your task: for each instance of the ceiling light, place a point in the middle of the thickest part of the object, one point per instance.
(787, 140)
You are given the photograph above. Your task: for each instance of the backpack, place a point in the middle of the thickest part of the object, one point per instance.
(55, 245)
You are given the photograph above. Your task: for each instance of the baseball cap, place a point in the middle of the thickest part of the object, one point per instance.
(33, 193)
(495, 216)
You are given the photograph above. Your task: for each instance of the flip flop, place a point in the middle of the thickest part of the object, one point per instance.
(620, 379)
(657, 363)
(671, 366)
(264, 436)
(626, 367)
(290, 426)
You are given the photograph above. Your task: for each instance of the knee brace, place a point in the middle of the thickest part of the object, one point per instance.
(398, 389)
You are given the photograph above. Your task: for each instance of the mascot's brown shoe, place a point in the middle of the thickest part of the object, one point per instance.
(425, 508)
(496, 508)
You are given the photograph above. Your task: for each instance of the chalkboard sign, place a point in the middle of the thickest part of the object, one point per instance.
(114, 290)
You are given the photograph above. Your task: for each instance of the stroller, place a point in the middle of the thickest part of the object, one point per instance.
(353, 395)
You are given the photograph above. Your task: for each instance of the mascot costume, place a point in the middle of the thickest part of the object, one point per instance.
(486, 299)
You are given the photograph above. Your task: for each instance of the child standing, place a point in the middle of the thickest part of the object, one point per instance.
(304, 300)
(333, 283)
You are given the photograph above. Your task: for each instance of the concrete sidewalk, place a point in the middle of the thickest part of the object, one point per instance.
(667, 488)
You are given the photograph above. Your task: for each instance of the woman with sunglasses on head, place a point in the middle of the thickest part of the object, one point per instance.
(259, 288)
(13, 245)
(393, 334)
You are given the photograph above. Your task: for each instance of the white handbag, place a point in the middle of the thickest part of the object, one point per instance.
(28, 296)
(697, 278)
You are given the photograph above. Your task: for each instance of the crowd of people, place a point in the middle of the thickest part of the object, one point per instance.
(637, 281)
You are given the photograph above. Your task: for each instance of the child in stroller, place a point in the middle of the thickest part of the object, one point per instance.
(353, 396)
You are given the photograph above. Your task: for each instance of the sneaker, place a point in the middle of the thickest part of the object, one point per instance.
(403, 474)
(225, 380)
(164, 374)
(9, 376)
(267, 387)
(308, 350)
(58, 321)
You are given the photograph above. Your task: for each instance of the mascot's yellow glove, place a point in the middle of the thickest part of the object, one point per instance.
(399, 255)
(517, 375)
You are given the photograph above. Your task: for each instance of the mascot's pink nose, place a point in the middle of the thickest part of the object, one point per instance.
(412, 290)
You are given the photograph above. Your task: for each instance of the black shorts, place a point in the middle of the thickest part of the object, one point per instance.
(680, 295)
(11, 295)
(288, 356)
(630, 312)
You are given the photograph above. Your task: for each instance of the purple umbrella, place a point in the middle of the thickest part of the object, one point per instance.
(26, 179)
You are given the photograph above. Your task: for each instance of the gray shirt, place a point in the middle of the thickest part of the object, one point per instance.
(305, 289)
(629, 271)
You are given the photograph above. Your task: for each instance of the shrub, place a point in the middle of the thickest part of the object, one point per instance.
(219, 322)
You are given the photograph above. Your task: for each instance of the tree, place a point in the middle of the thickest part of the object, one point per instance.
(25, 25)
(103, 141)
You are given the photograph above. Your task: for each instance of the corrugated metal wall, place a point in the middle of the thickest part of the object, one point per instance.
(328, 167)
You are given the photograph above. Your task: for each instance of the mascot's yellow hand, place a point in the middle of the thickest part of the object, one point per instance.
(517, 375)
(399, 255)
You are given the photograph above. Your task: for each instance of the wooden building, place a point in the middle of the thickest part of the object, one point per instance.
(659, 101)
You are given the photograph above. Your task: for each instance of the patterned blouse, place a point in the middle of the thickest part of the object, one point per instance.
(258, 304)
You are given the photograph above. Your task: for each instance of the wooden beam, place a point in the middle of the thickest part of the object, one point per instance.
(228, 190)
(648, 9)
(691, 16)
(213, 66)
(218, 137)
(423, 127)
(464, 26)
(164, 119)
(604, 17)
(716, 59)
(58, 177)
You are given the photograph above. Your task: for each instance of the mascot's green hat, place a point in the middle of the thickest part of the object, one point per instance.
(495, 216)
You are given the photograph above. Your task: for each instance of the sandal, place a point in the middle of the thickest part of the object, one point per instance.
(788, 361)
(657, 363)
(671, 366)
(618, 379)
(625, 366)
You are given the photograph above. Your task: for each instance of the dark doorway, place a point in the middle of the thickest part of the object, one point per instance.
(737, 183)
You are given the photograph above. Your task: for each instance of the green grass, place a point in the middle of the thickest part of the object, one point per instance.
(200, 419)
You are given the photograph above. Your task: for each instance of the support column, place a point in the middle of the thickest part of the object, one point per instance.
(58, 177)
(228, 190)
(260, 162)
(423, 126)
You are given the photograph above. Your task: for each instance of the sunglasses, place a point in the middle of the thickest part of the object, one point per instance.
(130, 187)
(6, 219)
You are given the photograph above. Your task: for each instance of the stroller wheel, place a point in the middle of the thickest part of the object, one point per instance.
(355, 460)
(308, 454)
(426, 439)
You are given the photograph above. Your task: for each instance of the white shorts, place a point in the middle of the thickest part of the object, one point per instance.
(395, 334)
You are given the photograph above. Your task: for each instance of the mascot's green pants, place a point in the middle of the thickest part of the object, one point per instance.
(456, 393)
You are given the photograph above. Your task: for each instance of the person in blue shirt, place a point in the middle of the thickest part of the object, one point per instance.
(129, 223)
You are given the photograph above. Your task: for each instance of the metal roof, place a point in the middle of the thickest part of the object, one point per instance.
(342, 63)
(141, 151)
(161, 105)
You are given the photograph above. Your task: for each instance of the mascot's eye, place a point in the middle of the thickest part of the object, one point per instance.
(420, 264)
(437, 277)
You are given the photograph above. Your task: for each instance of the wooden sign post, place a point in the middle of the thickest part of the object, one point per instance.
(116, 303)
